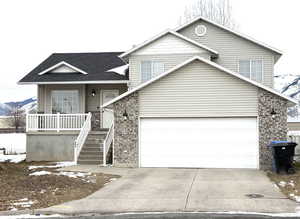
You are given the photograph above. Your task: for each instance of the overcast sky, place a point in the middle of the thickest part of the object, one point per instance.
(33, 29)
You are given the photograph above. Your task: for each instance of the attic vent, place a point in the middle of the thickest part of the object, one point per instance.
(200, 30)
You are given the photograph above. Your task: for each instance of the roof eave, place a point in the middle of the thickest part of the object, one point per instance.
(140, 46)
(291, 101)
(74, 82)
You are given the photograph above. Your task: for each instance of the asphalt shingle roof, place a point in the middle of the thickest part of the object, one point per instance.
(95, 64)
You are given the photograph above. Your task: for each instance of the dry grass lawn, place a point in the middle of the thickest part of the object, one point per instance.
(289, 184)
(19, 190)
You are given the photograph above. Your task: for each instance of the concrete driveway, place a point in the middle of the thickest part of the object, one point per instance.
(181, 190)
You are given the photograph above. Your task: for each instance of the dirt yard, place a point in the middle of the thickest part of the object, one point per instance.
(24, 187)
(289, 184)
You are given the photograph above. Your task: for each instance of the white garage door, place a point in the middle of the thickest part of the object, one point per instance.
(199, 142)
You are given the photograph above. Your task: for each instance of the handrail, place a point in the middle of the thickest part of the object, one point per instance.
(107, 142)
(79, 142)
(55, 122)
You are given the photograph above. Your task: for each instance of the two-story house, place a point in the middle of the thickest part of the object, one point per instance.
(200, 95)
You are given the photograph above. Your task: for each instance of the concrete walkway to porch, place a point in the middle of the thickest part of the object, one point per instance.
(179, 190)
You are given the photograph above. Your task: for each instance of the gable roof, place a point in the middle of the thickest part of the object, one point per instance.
(94, 65)
(62, 63)
(164, 33)
(231, 31)
(213, 64)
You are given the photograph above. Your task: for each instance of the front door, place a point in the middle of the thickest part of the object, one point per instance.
(107, 115)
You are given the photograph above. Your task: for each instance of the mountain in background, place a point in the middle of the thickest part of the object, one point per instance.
(289, 84)
(28, 105)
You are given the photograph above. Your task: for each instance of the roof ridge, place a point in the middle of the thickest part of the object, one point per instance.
(65, 53)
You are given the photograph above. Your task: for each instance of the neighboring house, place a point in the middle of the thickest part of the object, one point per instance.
(200, 95)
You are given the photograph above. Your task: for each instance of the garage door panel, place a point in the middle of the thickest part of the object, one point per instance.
(199, 142)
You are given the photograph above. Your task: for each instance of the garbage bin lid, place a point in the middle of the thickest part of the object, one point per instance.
(279, 142)
(282, 143)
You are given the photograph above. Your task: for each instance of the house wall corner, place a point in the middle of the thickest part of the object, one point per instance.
(126, 147)
(270, 129)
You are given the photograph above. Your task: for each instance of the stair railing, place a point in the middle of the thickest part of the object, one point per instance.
(108, 142)
(84, 131)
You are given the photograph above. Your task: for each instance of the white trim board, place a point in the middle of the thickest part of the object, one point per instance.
(121, 70)
(60, 64)
(77, 82)
(163, 34)
(231, 31)
(141, 86)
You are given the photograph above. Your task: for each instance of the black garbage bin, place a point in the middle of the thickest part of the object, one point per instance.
(283, 154)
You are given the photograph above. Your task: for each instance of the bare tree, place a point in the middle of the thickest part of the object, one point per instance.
(219, 11)
(17, 117)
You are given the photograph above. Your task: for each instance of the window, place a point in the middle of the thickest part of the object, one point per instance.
(150, 69)
(65, 101)
(252, 69)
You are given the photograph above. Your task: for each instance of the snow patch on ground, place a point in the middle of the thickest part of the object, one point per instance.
(12, 158)
(13, 142)
(56, 165)
(73, 174)
(83, 176)
(295, 197)
(282, 183)
(40, 173)
(291, 183)
(24, 202)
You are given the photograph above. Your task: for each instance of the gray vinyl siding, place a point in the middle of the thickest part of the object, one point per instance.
(232, 48)
(40, 98)
(198, 90)
(93, 103)
(169, 60)
(293, 126)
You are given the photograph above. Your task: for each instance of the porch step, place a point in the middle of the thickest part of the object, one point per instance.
(93, 145)
(89, 157)
(90, 162)
(98, 153)
(92, 150)
(97, 133)
(94, 141)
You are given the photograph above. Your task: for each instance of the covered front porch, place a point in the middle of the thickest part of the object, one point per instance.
(70, 124)
(72, 103)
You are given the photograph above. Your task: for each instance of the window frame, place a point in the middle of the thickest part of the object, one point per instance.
(71, 90)
(152, 67)
(251, 60)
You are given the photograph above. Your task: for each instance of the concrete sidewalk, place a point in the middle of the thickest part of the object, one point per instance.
(180, 190)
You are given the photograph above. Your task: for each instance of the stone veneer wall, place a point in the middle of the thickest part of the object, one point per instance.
(126, 153)
(270, 128)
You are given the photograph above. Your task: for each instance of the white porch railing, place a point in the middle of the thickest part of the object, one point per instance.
(79, 142)
(55, 122)
(107, 142)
